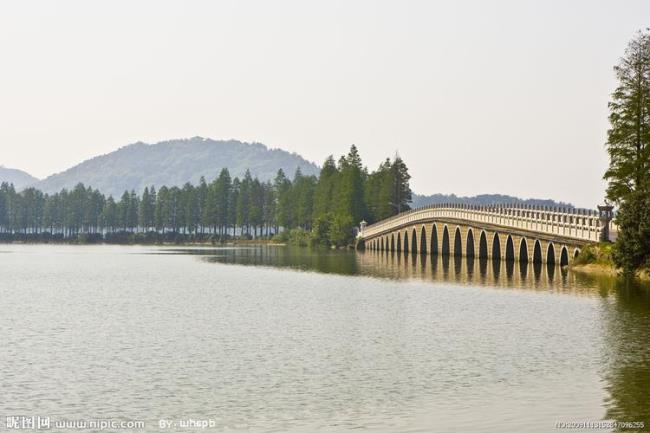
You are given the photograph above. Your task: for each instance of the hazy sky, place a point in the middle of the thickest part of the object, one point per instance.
(477, 96)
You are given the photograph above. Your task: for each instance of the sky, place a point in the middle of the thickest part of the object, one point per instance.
(476, 96)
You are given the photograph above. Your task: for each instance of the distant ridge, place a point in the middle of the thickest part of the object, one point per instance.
(20, 179)
(482, 199)
(176, 162)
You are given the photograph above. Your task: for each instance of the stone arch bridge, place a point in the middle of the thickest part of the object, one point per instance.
(524, 233)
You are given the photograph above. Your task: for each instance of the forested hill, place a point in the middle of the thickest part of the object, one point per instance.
(482, 199)
(173, 163)
(18, 178)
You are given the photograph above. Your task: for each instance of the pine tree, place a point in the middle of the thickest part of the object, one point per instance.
(402, 195)
(628, 139)
(223, 197)
(231, 220)
(349, 194)
(282, 191)
(145, 211)
(244, 202)
(628, 145)
(324, 193)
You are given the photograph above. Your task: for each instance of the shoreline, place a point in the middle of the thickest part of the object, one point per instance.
(596, 269)
(162, 244)
(606, 270)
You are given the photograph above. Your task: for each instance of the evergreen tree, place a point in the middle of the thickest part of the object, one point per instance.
(223, 196)
(628, 145)
(402, 195)
(109, 215)
(379, 194)
(350, 189)
(161, 211)
(256, 205)
(324, 193)
(303, 188)
(330, 206)
(201, 201)
(282, 192)
(243, 203)
(146, 210)
(231, 220)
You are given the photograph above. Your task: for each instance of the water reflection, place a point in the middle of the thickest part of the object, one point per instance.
(464, 270)
(622, 356)
(626, 360)
(396, 265)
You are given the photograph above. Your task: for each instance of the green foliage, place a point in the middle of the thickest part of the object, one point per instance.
(296, 236)
(387, 190)
(302, 211)
(600, 253)
(340, 230)
(320, 231)
(628, 145)
(632, 251)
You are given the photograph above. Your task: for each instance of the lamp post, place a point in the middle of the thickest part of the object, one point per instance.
(605, 216)
(362, 226)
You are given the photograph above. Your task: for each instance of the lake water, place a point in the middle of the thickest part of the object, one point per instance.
(276, 339)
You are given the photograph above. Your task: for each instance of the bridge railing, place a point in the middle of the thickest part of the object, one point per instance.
(582, 224)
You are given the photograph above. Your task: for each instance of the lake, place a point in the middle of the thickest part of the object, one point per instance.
(274, 339)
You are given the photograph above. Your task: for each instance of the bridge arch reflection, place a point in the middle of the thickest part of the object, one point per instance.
(423, 240)
(469, 249)
(445, 241)
(458, 243)
(484, 271)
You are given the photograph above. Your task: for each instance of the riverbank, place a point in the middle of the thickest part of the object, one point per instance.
(141, 241)
(597, 260)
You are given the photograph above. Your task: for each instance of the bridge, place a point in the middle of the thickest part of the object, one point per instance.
(525, 233)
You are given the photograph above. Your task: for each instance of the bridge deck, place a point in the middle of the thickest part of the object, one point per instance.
(567, 223)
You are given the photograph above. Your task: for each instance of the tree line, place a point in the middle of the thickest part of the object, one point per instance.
(323, 209)
(628, 145)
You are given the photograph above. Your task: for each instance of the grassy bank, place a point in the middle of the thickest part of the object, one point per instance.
(597, 260)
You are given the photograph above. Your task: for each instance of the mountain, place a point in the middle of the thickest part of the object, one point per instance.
(482, 199)
(175, 162)
(18, 178)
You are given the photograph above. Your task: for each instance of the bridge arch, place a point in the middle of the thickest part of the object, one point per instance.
(537, 252)
(392, 242)
(423, 240)
(564, 257)
(414, 241)
(523, 251)
(445, 241)
(550, 253)
(510, 249)
(458, 243)
(496, 246)
(469, 248)
(483, 246)
(576, 253)
(434, 239)
(405, 241)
